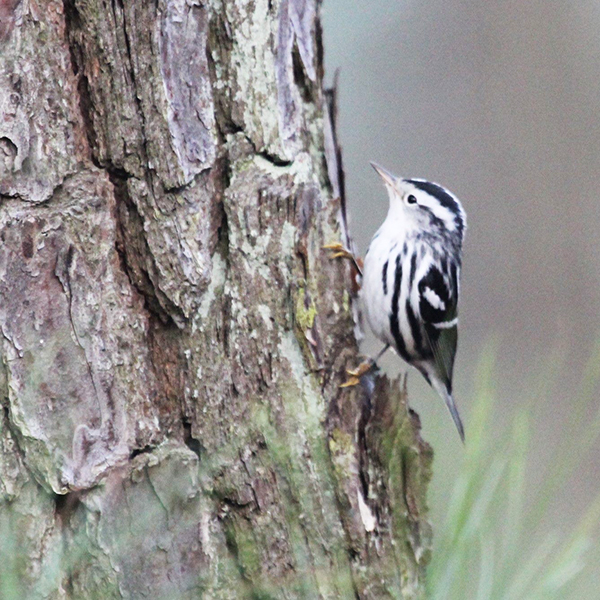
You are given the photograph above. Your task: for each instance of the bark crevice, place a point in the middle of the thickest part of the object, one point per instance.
(133, 251)
(83, 87)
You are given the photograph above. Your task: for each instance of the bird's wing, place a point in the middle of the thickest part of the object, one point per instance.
(438, 305)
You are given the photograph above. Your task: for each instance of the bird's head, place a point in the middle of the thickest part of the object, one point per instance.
(422, 205)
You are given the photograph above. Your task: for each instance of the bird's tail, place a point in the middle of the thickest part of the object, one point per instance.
(443, 391)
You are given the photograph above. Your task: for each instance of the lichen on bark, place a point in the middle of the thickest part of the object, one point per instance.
(174, 335)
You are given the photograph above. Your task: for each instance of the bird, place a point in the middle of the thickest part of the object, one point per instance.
(411, 281)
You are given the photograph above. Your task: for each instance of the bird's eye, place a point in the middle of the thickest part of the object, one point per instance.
(411, 199)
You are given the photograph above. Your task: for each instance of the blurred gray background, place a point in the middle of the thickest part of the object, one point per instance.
(499, 102)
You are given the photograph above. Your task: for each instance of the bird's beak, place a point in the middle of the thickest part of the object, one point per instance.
(387, 177)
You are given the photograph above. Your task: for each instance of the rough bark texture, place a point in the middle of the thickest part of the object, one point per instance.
(173, 334)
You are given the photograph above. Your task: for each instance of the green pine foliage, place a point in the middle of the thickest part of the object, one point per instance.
(496, 543)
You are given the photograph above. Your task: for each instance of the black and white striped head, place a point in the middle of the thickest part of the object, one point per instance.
(424, 206)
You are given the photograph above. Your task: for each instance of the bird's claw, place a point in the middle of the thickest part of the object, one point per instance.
(356, 374)
(339, 250)
(350, 382)
(363, 368)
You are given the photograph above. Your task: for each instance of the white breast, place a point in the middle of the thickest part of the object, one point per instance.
(377, 297)
(387, 246)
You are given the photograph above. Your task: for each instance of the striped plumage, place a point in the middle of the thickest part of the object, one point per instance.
(411, 279)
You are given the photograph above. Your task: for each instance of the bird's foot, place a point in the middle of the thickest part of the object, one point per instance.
(356, 374)
(339, 250)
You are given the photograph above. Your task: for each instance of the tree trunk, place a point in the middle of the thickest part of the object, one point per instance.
(173, 333)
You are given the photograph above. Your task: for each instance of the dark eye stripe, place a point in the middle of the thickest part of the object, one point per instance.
(438, 192)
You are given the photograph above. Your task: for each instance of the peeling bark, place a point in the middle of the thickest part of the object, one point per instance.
(173, 334)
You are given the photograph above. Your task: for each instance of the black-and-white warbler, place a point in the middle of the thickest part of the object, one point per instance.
(410, 283)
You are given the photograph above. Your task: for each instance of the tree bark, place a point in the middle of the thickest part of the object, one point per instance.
(173, 333)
